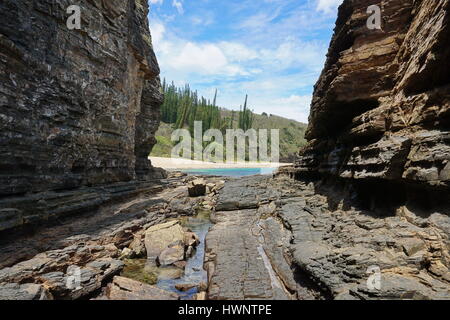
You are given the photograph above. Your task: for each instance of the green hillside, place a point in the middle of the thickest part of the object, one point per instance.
(182, 107)
(291, 135)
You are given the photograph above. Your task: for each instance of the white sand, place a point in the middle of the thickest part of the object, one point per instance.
(172, 164)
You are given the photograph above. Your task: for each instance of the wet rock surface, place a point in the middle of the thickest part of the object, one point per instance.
(309, 241)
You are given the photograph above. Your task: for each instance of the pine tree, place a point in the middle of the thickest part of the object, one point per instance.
(245, 120)
(182, 107)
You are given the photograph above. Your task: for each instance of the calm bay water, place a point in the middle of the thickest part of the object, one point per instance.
(230, 172)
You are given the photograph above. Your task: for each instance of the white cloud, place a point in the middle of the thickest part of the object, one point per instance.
(328, 6)
(157, 31)
(237, 51)
(155, 1)
(295, 107)
(178, 5)
(292, 107)
(272, 59)
(191, 58)
(258, 20)
(294, 53)
(202, 58)
(222, 59)
(203, 20)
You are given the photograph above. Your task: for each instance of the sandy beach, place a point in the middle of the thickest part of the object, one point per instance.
(172, 164)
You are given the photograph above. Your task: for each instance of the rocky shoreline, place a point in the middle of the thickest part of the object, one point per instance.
(272, 238)
(362, 214)
(94, 246)
(321, 244)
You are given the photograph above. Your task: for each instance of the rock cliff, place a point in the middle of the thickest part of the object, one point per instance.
(78, 108)
(378, 157)
(381, 107)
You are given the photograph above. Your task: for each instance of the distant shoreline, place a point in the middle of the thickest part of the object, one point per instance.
(173, 164)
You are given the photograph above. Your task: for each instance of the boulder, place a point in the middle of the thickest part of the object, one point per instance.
(112, 250)
(127, 253)
(412, 245)
(191, 239)
(210, 187)
(189, 251)
(126, 289)
(161, 236)
(200, 296)
(180, 264)
(28, 291)
(80, 282)
(203, 286)
(172, 254)
(138, 246)
(170, 273)
(183, 205)
(185, 286)
(197, 188)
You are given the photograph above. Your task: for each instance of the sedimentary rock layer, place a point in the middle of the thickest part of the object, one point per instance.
(78, 108)
(309, 240)
(381, 107)
(78, 257)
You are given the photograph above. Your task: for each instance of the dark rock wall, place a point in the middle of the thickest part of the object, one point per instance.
(381, 108)
(78, 108)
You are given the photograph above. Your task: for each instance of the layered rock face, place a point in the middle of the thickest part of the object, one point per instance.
(287, 239)
(78, 108)
(381, 108)
(379, 156)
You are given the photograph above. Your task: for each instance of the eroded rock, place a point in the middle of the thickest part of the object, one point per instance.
(126, 289)
(71, 122)
(381, 106)
(160, 237)
(309, 241)
(197, 188)
(29, 291)
(172, 254)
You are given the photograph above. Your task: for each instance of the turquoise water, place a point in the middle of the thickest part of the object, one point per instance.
(231, 172)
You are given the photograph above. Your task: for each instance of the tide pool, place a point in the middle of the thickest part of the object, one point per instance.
(230, 172)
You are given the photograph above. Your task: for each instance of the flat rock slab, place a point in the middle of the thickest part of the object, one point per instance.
(28, 291)
(236, 267)
(245, 193)
(293, 242)
(126, 289)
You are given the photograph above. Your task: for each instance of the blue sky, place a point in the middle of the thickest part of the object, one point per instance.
(272, 50)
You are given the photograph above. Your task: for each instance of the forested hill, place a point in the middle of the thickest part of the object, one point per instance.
(182, 107)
